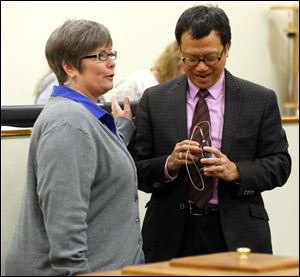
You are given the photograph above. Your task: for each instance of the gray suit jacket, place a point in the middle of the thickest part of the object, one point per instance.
(252, 137)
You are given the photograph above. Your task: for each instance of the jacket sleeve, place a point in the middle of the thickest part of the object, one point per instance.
(125, 128)
(271, 166)
(150, 167)
(66, 164)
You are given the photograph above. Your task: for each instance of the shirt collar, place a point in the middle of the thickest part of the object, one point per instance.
(97, 111)
(66, 92)
(215, 90)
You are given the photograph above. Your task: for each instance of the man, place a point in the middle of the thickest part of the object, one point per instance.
(248, 152)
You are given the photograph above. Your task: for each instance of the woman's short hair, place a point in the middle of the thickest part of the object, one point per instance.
(72, 40)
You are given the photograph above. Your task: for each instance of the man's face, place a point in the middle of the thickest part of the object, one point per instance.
(211, 49)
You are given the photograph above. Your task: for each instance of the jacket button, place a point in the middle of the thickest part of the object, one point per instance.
(156, 185)
(181, 206)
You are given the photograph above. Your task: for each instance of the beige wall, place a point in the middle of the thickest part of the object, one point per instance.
(140, 31)
(282, 204)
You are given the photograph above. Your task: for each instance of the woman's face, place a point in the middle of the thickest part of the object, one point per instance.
(96, 76)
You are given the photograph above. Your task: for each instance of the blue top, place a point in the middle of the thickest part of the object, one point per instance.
(97, 111)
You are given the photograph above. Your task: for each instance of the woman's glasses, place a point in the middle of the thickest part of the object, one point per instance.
(101, 56)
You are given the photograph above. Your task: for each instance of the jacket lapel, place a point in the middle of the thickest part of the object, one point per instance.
(178, 96)
(233, 99)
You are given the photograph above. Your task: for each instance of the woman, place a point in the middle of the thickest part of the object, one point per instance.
(80, 209)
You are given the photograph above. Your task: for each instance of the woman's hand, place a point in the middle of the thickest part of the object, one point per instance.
(117, 111)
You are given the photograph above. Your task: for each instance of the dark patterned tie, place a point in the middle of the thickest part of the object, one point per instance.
(204, 186)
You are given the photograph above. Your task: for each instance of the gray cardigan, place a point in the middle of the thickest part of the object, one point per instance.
(80, 205)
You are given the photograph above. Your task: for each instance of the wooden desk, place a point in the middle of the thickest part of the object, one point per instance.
(14, 133)
(27, 131)
(289, 119)
(7, 131)
(220, 264)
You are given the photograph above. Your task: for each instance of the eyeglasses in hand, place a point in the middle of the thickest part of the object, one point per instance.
(101, 56)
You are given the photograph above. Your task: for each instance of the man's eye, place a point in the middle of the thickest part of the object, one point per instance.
(210, 58)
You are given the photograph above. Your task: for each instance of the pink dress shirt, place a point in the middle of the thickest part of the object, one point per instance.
(215, 102)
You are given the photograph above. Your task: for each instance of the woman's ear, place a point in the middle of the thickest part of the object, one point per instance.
(70, 70)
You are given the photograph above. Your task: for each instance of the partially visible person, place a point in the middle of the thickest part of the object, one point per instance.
(45, 88)
(166, 67)
(80, 207)
(221, 207)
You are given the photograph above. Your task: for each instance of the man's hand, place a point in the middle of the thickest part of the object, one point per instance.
(220, 166)
(117, 111)
(184, 153)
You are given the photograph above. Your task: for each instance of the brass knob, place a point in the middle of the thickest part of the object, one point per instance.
(243, 253)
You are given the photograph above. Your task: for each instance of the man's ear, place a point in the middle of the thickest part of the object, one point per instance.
(227, 46)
